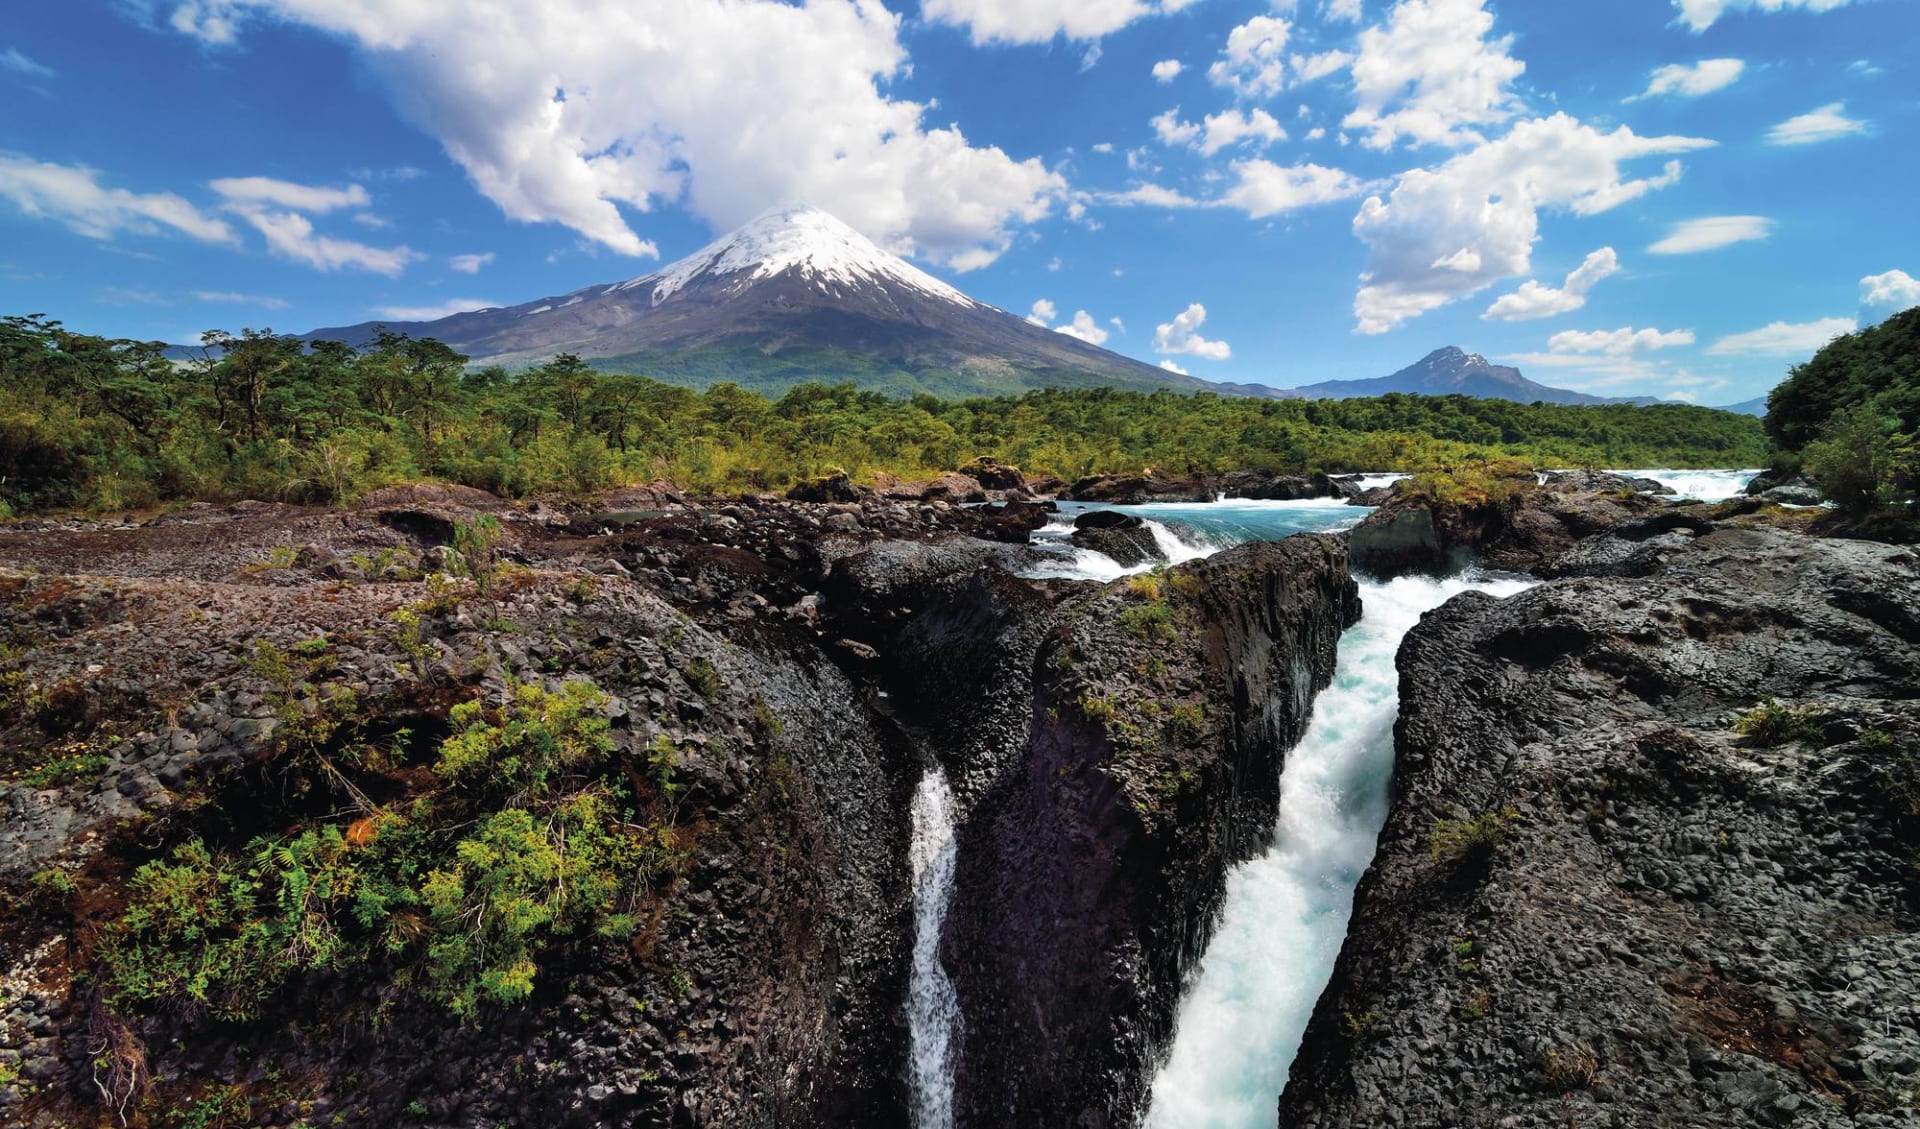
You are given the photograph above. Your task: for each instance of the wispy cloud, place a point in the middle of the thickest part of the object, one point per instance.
(434, 313)
(1710, 233)
(74, 196)
(237, 299)
(1691, 81)
(1782, 339)
(1824, 124)
(470, 264)
(258, 190)
(15, 60)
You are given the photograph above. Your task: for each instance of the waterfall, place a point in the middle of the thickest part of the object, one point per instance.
(1286, 911)
(933, 1011)
(1702, 485)
(1181, 545)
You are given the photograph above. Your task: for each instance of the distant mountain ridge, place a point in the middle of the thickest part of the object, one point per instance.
(1455, 372)
(796, 295)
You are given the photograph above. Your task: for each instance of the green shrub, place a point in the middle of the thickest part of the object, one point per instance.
(1149, 621)
(1771, 724)
(705, 679)
(530, 837)
(1471, 838)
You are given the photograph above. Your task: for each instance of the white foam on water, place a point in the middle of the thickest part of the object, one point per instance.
(933, 1010)
(1703, 485)
(1286, 911)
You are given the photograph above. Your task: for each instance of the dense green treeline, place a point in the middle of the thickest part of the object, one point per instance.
(92, 423)
(1853, 414)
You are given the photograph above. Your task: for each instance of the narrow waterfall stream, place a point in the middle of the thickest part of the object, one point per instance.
(933, 1011)
(1286, 910)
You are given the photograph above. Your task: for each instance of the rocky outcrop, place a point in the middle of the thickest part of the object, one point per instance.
(172, 726)
(134, 715)
(1650, 859)
(1091, 869)
(1604, 480)
(994, 474)
(1511, 523)
(790, 667)
(1261, 486)
(1139, 489)
(1123, 537)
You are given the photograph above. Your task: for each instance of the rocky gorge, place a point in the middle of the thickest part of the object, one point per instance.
(194, 699)
(1649, 857)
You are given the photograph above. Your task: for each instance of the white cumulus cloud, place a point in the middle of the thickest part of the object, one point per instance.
(1710, 233)
(1447, 233)
(1535, 300)
(1431, 75)
(569, 113)
(74, 196)
(1043, 313)
(1218, 131)
(1254, 63)
(1037, 21)
(1618, 342)
(1262, 188)
(1783, 339)
(1700, 15)
(470, 264)
(1182, 335)
(1883, 295)
(1824, 124)
(1173, 368)
(1166, 70)
(1692, 81)
(1085, 328)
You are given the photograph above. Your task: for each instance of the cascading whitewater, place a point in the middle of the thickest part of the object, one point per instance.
(933, 1010)
(1286, 911)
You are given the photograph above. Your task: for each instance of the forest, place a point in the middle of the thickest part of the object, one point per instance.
(1851, 416)
(93, 424)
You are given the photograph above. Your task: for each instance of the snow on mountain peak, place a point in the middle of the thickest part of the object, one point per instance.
(827, 251)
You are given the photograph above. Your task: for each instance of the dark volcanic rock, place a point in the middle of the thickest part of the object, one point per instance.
(1139, 489)
(1598, 903)
(1283, 487)
(994, 474)
(834, 487)
(1123, 537)
(1602, 480)
(1090, 874)
(1764, 482)
(1513, 523)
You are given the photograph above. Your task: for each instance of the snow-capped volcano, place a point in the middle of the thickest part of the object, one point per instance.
(795, 295)
(832, 256)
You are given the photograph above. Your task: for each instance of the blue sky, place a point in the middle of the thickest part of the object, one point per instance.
(1641, 197)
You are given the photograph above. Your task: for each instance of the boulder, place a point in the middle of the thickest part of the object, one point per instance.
(1603, 481)
(834, 486)
(994, 474)
(1258, 485)
(955, 488)
(1123, 537)
(1139, 489)
(1511, 523)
